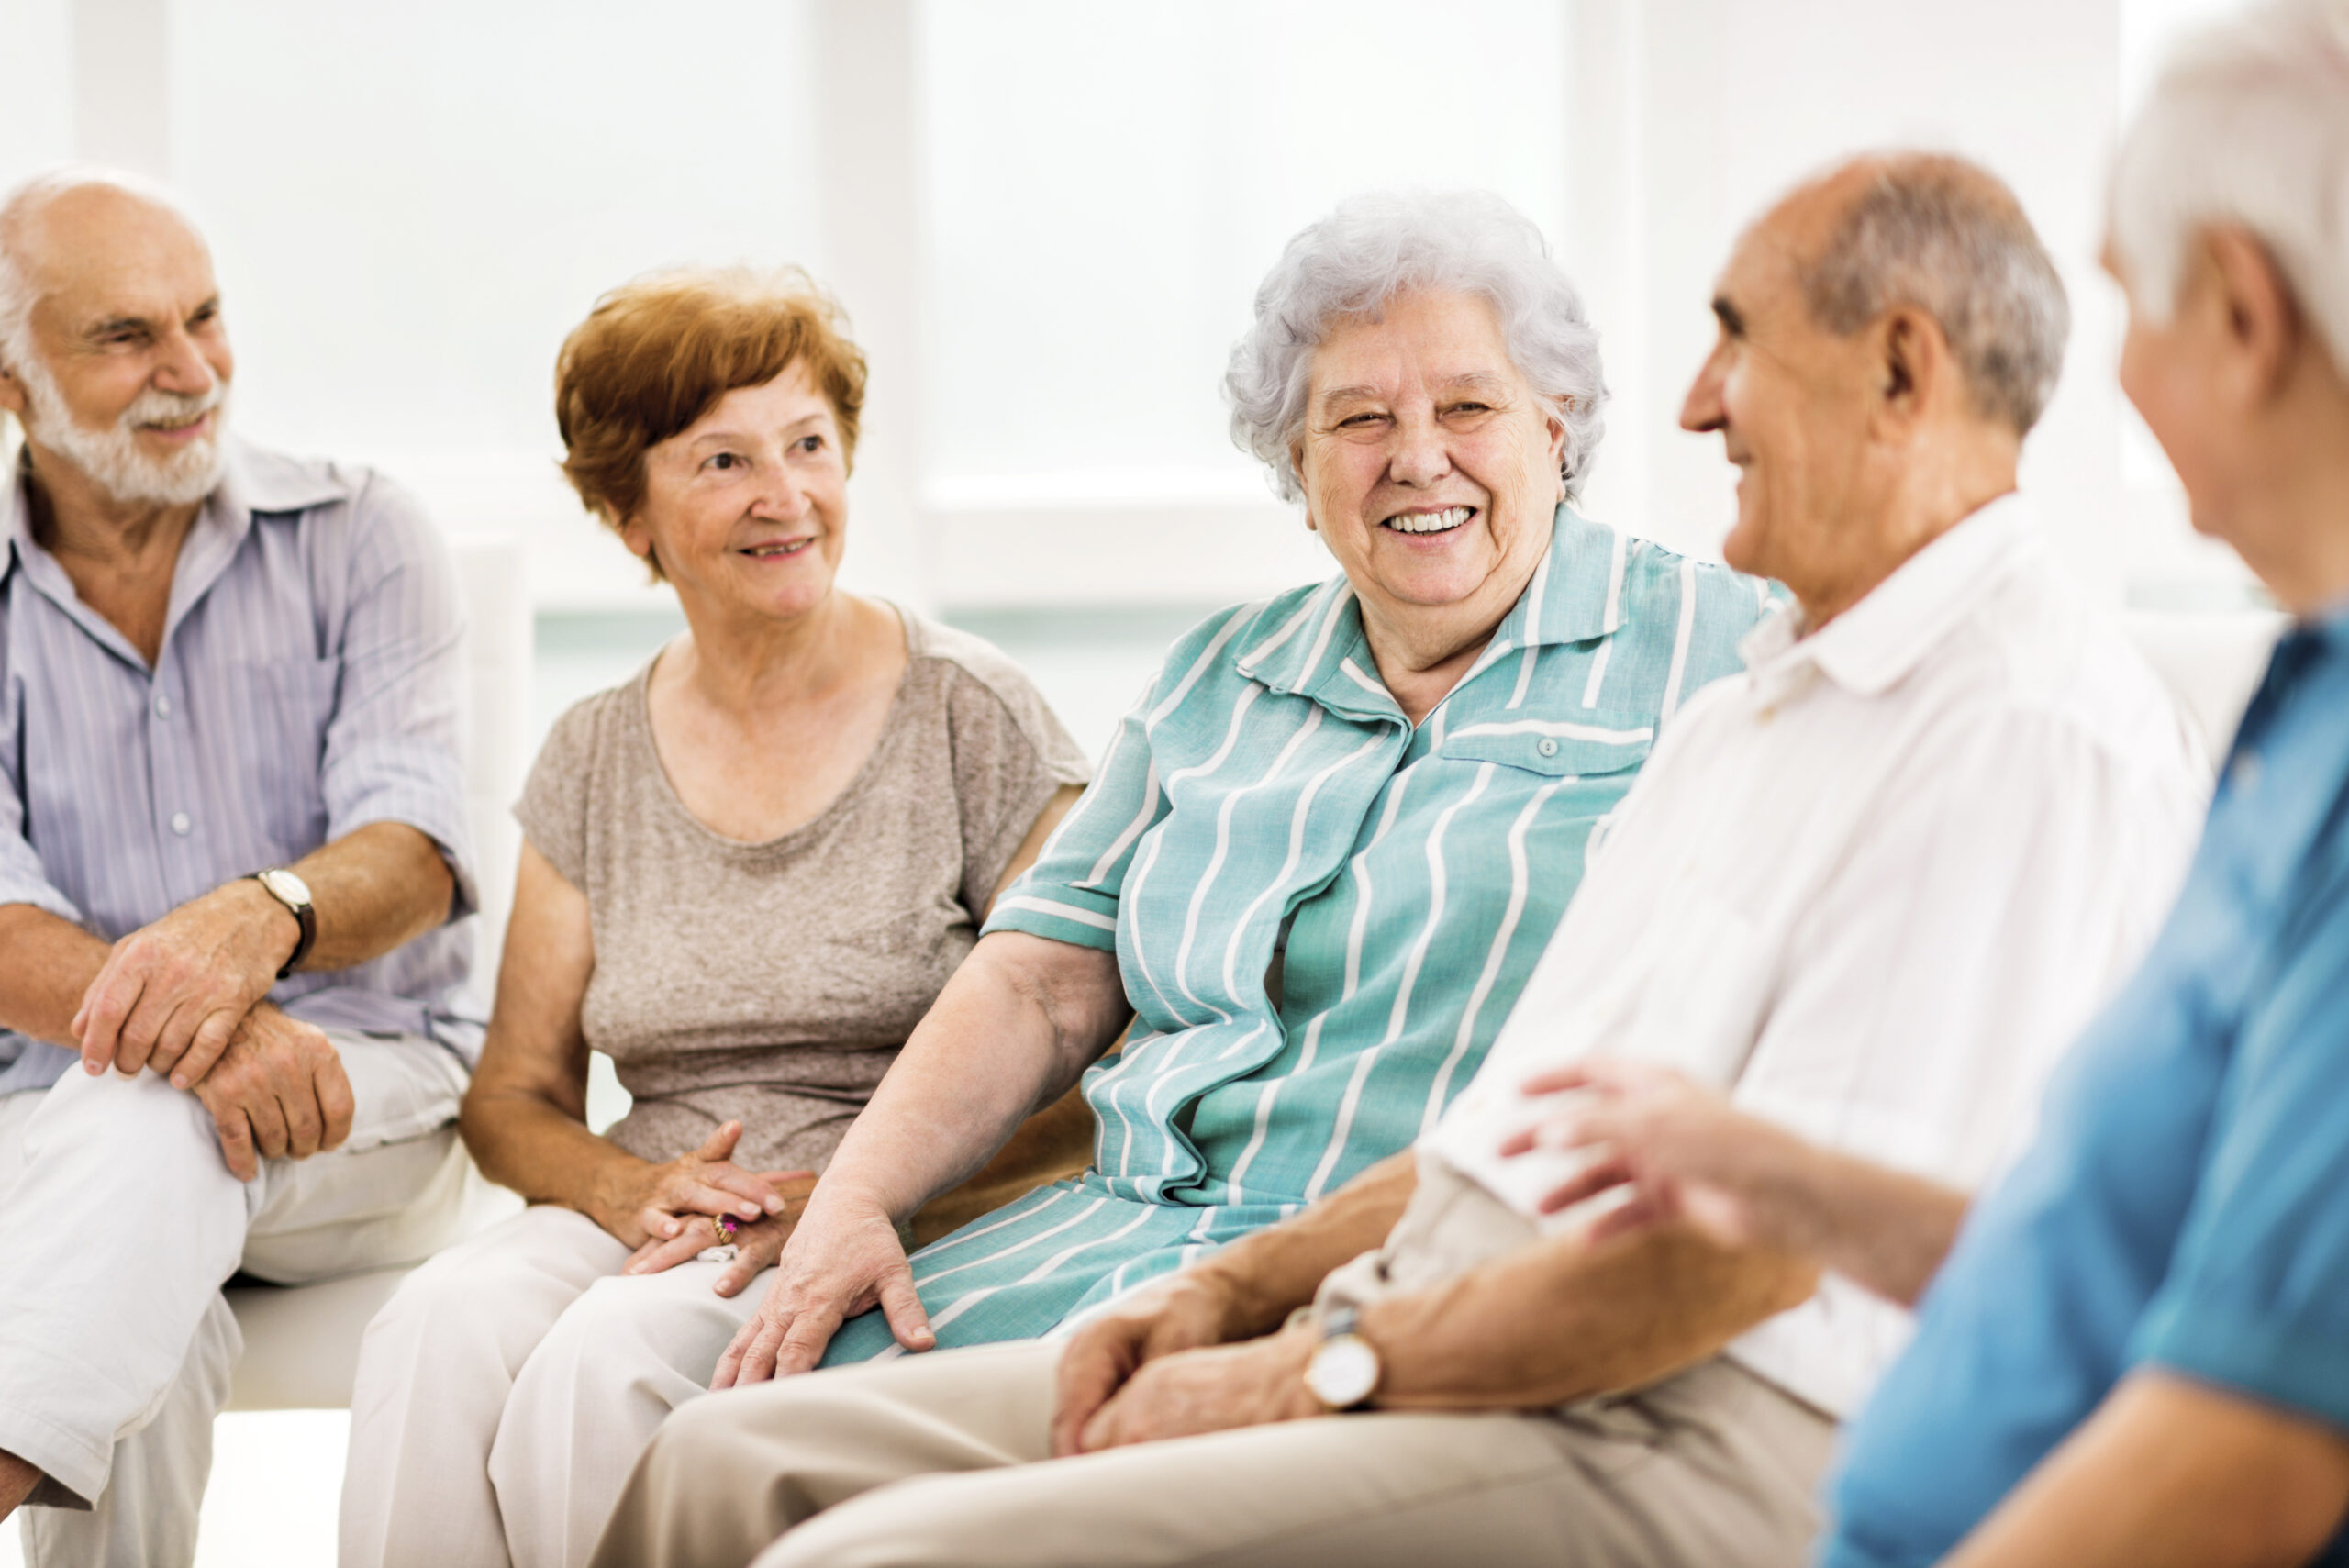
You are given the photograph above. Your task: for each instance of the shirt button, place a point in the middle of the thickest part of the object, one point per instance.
(1548, 747)
(180, 823)
(163, 706)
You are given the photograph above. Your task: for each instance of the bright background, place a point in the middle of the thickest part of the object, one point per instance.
(1046, 218)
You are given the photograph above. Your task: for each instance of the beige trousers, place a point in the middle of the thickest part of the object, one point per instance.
(508, 1385)
(941, 1459)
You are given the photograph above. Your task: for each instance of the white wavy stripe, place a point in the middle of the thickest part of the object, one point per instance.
(1062, 911)
(1144, 864)
(1519, 881)
(1288, 867)
(1534, 591)
(1012, 1216)
(1119, 1085)
(1087, 1212)
(1347, 1105)
(1564, 729)
(1361, 869)
(1437, 887)
(1255, 656)
(1321, 639)
(1680, 641)
(1042, 1268)
(1272, 1092)
(1222, 852)
(1597, 674)
(1230, 629)
(1354, 672)
(1132, 829)
(1108, 1095)
(1411, 966)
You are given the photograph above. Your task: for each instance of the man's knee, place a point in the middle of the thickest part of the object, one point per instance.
(107, 1115)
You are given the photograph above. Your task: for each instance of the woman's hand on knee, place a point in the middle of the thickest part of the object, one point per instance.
(756, 1245)
(845, 1258)
(640, 1202)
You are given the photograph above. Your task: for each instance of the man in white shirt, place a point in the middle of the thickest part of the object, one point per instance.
(1868, 888)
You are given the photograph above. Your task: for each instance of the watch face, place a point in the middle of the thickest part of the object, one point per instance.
(285, 887)
(1343, 1372)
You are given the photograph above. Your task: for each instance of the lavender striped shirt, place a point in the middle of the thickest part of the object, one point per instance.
(309, 684)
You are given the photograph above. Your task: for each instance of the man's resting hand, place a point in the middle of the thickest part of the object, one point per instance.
(1183, 1312)
(172, 993)
(278, 1090)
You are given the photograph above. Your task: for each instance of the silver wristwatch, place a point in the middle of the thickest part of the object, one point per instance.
(1343, 1372)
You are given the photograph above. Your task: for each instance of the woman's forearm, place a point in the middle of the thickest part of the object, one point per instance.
(522, 1140)
(1019, 1023)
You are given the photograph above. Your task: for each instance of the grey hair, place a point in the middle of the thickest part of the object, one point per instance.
(17, 207)
(1379, 245)
(2248, 124)
(1946, 237)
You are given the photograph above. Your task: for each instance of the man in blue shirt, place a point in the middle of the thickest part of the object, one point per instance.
(2137, 1352)
(232, 855)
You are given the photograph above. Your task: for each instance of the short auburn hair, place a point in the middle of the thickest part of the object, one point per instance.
(657, 353)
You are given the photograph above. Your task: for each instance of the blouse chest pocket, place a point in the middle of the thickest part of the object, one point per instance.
(1604, 743)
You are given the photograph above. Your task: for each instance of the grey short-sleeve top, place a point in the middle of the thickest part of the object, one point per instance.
(774, 983)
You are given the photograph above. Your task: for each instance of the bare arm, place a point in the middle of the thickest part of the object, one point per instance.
(1684, 1154)
(2170, 1472)
(1552, 1321)
(1242, 1292)
(1018, 1023)
(49, 966)
(524, 1115)
(170, 994)
(1565, 1318)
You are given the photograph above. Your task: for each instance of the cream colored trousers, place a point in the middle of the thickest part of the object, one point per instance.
(118, 1225)
(940, 1459)
(506, 1389)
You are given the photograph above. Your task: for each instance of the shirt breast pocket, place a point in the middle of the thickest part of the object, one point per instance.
(286, 706)
(1606, 745)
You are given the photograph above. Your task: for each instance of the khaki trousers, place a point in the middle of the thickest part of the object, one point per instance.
(940, 1459)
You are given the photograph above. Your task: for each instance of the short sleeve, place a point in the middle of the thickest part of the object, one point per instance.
(1070, 893)
(2257, 1296)
(394, 749)
(553, 808)
(1012, 756)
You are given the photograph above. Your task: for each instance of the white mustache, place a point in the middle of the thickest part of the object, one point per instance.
(156, 407)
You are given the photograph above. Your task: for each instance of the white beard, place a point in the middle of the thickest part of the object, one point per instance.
(111, 458)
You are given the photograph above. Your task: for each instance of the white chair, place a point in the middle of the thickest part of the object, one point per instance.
(301, 1343)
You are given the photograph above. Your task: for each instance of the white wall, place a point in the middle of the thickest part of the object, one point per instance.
(1046, 217)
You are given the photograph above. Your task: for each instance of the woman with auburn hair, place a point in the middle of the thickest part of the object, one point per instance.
(747, 873)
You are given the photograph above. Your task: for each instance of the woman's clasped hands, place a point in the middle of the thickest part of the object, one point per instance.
(670, 1212)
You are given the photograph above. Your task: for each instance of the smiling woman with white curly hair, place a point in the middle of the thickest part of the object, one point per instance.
(1327, 845)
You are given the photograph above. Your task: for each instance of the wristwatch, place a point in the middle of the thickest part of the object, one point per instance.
(294, 894)
(1343, 1372)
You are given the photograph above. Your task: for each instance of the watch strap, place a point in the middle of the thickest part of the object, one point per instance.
(304, 915)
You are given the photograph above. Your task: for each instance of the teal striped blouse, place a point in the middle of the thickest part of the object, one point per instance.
(1267, 797)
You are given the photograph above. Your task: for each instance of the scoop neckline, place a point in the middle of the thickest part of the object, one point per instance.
(639, 710)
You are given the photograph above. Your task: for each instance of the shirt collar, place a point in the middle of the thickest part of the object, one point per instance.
(253, 482)
(1873, 646)
(1575, 594)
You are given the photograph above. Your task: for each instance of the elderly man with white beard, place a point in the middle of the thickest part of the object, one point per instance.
(231, 855)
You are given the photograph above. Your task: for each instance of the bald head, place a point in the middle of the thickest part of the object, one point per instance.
(112, 350)
(86, 225)
(1945, 237)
